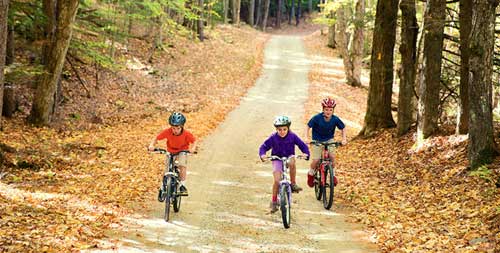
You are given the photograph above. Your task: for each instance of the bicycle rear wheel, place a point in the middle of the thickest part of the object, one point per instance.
(168, 198)
(177, 199)
(328, 187)
(317, 185)
(285, 205)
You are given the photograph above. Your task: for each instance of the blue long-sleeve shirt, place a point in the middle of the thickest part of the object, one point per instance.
(283, 147)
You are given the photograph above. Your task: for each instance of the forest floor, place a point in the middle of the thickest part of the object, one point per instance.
(62, 187)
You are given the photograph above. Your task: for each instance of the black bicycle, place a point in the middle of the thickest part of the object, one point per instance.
(324, 177)
(170, 187)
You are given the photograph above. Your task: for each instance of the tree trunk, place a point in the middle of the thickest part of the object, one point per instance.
(251, 13)
(309, 6)
(343, 38)
(356, 53)
(465, 18)
(292, 12)
(482, 40)
(44, 95)
(199, 22)
(430, 80)
(332, 31)
(408, 50)
(378, 112)
(298, 12)
(265, 14)
(49, 9)
(226, 8)
(10, 56)
(9, 101)
(236, 12)
(258, 16)
(278, 14)
(4, 12)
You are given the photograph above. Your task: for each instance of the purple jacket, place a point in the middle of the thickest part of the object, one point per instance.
(283, 146)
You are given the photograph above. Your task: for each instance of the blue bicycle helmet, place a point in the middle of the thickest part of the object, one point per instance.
(177, 119)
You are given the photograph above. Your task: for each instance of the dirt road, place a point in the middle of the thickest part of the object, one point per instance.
(230, 189)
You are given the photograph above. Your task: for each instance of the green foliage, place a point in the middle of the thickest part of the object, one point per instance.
(91, 52)
(16, 72)
(28, 19)
(482, 172)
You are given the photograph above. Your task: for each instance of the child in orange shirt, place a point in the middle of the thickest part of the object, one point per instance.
(178, 139)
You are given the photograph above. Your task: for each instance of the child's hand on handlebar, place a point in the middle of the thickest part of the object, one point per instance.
(151, 148)
(263, 158)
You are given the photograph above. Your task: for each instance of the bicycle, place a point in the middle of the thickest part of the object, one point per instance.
(170, 184)
(285, 189)
(324, 176)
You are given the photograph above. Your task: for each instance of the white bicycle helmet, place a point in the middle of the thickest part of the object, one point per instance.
(282, 121)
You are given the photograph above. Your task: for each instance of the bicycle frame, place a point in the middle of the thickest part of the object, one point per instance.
(285, 177)
(170, 182)
(325, 160)
(325, 168)
(285, 180)
(285, 189)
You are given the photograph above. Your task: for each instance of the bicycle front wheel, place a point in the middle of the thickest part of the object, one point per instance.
(329, 187)
(168, 198)
(317, 185)
(285, 205)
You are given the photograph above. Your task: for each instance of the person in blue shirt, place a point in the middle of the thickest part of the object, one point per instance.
(322, 126)
(282, 143)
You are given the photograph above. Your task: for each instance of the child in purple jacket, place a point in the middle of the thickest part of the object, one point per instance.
(282, 144)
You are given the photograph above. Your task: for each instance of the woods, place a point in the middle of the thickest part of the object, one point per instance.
(71, 70)
(434, 68)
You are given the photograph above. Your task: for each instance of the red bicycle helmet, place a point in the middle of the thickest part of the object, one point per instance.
(328, 102)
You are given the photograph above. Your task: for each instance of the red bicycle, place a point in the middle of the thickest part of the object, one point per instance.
(324, 176)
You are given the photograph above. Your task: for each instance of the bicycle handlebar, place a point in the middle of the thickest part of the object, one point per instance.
(165, 152)
(326, 143)
(274, 157)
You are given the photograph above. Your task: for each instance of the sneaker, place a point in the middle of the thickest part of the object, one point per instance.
(310, 180)
(296, 188)
(335, 181)
(161, 196)
(274, 206)
(183, 190)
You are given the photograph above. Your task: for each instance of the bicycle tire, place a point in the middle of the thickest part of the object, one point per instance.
(328, 187)
(317, 185)
(177, 199)
(168, 199)
(285, 205)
